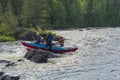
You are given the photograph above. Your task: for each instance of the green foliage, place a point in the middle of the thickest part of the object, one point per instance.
(99, 11)
(6, 38)
(8, 21)
(57, 14)
(5, 29)
(10, 18)
(34, 13)
(1, 14)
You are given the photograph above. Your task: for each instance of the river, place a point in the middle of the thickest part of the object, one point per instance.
(97, 57)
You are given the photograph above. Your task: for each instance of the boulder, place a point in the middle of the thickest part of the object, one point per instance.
(20, 60)
(15, 77)
(10, 64)
(8, 77)
(80, 29)
(23, 34)
(36, 56)
(39, 56)
(27, 35)
(4, 61)
(30, 54)
(1, 73)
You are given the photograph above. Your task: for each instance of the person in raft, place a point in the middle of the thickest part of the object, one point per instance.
(41, 35)
(61, 41)
(49, 40)
(40, 38)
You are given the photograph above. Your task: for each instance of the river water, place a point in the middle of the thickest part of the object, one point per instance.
(97, 57)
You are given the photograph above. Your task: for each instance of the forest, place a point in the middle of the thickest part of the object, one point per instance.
(57, 14)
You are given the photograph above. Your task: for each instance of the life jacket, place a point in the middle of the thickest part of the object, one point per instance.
(38, 40)
(49, 38)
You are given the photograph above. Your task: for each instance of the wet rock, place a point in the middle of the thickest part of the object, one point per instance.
(15, 77)
(39, 56)
(36, 56)
(4, 61)
(112, 70)
(1, 73)
(52, 55)
(80, 29)
(10, 64)
(27, 35)
(8, 77)
(88, 28)
(4, 40)
(20, 60)
(29, 54)
(23, 34)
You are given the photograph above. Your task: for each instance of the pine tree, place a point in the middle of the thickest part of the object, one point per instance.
(1, 14)
(35, 13)
(99, 10)
(57, 14)
(1, 19)
(9, 22)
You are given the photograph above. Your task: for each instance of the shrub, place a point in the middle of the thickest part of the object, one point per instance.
(4, 38)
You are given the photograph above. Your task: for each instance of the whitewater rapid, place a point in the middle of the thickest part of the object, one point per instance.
(97, 57)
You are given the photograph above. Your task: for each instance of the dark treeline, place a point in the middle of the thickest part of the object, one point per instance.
(58, 14)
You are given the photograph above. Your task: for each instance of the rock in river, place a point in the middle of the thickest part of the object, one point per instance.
(39, 56)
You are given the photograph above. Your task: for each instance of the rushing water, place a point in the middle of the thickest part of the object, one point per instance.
(97, 58)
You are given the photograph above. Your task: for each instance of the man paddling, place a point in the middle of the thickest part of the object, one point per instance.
(49, 40)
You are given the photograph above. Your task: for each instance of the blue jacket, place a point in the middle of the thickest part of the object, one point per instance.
(38, 39)
(49, 38)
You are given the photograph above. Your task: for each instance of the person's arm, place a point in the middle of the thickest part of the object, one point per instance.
(38, 39)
